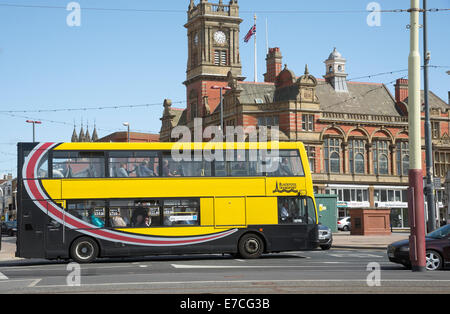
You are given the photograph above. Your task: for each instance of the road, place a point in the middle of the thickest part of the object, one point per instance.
(333, 271)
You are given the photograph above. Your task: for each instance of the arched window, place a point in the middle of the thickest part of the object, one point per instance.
(356, 150)
(402, 158)
(332, 155)
(383, 164)
(380, 151)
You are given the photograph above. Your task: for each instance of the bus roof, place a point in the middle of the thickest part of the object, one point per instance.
(178, 145)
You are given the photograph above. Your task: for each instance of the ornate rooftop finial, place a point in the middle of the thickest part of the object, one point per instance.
(306, 69)
(74, 138)
(94, 134)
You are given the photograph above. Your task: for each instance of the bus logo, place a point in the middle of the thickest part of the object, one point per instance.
(285, 187)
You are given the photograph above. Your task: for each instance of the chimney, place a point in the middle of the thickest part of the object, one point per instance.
(274, 65)
(401, 90)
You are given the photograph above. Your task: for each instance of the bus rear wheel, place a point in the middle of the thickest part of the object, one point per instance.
(250, 246)
(84, 250)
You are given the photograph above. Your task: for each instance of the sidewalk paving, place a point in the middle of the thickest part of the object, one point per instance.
(345, 240)
(8, 251)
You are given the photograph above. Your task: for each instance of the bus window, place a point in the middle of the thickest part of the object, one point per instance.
(134, 213)
(78, 165)
(286, 164)
(43, 167)
(133, 164)
(294, 210)
(92, 212)
(239, 165)
(185, 168)
(181, 212)
(120, 213)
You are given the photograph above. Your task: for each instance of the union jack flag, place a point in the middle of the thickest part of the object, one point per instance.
(250, 33)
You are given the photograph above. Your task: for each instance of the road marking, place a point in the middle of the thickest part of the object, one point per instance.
(3, 277)
(34, 283)
(184, 283)
(239, 260)
(179, 266)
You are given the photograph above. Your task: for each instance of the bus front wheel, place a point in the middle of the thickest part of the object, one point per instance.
(250, 246)
(84, 250)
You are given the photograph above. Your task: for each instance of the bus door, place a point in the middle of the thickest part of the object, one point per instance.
(30, 236)
(55, 234)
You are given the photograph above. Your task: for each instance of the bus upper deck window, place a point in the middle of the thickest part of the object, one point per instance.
(286, 163)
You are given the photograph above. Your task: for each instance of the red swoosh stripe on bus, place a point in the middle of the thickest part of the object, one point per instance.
(39, 198)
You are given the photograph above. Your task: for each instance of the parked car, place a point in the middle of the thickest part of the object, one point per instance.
(9, 227)
(344, 224)
(437, 250)
(325, 237)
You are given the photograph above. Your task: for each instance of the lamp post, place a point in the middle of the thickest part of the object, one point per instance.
(429, 187)
(221, 88)
(34, 131)
(415, 191)
(3, 203)
(127, 124)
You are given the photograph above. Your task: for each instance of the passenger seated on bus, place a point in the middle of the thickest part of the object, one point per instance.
(144, 170)
(122, 171)
(284, 213)
(140, 218)
(170, 173)
(117, 221)
(98, 222)
(285, 168)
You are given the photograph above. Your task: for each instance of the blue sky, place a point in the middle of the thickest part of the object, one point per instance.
(134, 58)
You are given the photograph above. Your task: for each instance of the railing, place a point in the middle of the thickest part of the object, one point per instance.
(217, 8)
(362, 117)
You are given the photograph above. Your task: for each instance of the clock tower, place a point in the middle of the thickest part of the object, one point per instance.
(213, 51)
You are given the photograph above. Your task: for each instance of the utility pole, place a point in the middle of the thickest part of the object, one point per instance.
(415, 191)
(429, 188)
(34, 131)
(221, 88)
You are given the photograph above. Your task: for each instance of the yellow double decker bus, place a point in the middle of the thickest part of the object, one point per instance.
(81, 201)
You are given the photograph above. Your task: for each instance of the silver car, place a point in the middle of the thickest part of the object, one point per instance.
(325, 237)
(344, 224)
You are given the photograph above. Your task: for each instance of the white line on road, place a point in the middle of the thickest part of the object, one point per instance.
(34, 283)
(202, 282)
(248, 267)
(3, 277)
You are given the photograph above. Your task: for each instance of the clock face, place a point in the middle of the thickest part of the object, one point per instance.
(220, 37)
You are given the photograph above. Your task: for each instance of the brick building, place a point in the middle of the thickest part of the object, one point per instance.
(356, 133)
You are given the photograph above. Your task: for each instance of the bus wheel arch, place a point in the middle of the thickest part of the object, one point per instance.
(251, 245)
(84, 249)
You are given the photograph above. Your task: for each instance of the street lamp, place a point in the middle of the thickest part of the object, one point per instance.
(3, 203)
(127, 124)
(34, 132)
(221, 88)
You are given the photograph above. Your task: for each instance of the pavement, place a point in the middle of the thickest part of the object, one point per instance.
(341, 239)
(345, 240)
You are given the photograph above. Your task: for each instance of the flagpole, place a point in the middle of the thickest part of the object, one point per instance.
(256, 63)
(267, 37)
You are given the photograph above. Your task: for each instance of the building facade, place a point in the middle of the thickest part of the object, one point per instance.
(8, 188)
(355, 133)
